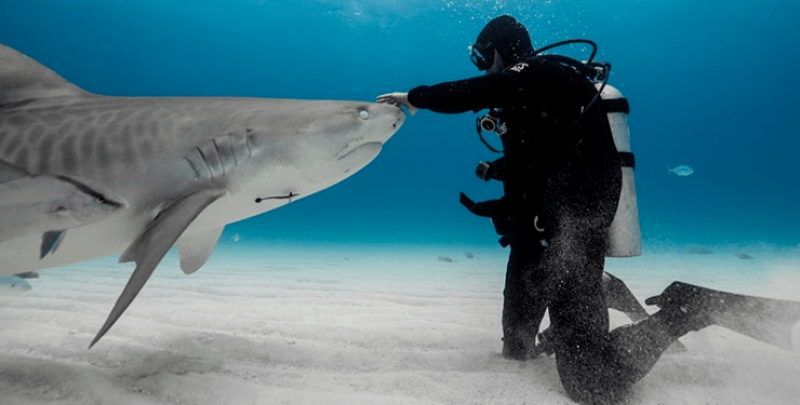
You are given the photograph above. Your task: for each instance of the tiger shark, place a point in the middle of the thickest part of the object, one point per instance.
(186, 166)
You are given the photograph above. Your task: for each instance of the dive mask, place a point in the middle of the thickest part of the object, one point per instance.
(481, 61)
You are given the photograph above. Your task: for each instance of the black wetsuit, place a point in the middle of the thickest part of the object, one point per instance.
(562, 173)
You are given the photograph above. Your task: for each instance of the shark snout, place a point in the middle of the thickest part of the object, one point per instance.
(392, 117)
(398, 114)
(379, 123)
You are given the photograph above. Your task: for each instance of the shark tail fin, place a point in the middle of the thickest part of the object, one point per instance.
(23, 79)
(765, 319)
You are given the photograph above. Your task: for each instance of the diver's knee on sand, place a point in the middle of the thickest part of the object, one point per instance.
(602, 375)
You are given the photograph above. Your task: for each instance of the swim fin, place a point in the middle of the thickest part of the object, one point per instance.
(620, 298)
(765, 319)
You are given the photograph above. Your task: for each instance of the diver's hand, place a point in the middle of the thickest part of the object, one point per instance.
(398, 99)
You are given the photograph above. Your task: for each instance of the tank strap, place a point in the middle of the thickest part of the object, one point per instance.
(615, 105)
(620, 105)
(627, 159)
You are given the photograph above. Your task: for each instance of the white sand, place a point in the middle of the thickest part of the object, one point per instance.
(342, 325)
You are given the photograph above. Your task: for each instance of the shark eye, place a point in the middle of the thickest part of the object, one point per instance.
(364, 114)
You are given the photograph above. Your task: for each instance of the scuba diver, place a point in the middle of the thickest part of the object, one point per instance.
(562, 179)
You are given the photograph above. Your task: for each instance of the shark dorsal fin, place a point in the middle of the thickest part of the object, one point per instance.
(24, 79)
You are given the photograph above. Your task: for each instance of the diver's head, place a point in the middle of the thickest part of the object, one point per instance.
(502, 43)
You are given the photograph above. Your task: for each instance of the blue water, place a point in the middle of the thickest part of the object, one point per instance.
(712, 85)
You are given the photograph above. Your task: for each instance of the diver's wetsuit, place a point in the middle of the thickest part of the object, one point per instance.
(567, 173)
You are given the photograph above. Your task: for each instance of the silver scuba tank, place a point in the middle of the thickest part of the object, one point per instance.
(624, 236)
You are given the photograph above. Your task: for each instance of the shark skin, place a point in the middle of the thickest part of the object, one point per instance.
(186, 166)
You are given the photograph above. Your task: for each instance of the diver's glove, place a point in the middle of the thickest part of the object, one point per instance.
(497, 211)
(491, 170)
(399, 100)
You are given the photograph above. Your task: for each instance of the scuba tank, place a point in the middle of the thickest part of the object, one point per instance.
(624, 235)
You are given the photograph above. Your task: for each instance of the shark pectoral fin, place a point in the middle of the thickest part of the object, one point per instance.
(50, 242)
(151, 246)
(169, 224)
(196, 249)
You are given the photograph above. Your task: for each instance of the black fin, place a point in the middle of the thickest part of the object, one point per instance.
(620, 298)
(765, 319)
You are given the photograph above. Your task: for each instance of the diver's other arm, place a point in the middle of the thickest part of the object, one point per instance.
(398, 99)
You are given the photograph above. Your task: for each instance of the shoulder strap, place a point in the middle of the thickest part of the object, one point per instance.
(615, 105)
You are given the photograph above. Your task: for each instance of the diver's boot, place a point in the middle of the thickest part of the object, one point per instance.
(546, 344)
(686, 308)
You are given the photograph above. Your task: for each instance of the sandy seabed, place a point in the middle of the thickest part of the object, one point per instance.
(354, 325)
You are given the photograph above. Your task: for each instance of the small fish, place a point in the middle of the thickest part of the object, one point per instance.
(699, 250)
(13, 284)
(681, 170)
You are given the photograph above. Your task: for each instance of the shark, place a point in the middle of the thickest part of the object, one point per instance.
(186, 166)
(13, 284)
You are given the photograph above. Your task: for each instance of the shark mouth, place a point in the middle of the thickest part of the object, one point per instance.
(363, 150)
